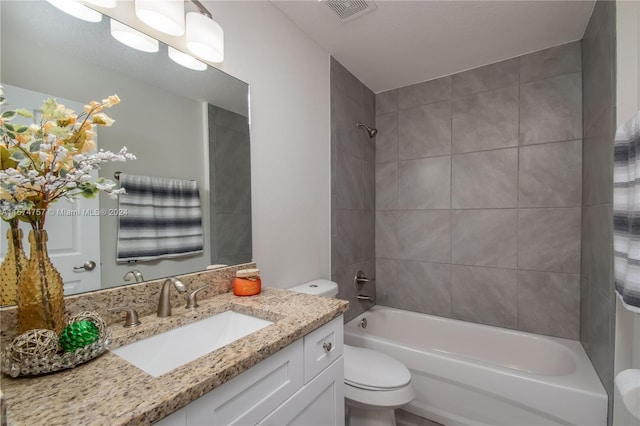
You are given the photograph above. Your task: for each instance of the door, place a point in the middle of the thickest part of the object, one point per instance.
(73, 228)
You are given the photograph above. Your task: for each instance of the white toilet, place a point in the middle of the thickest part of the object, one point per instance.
(375, 383)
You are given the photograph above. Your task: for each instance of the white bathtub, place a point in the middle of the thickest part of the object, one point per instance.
(472, 374)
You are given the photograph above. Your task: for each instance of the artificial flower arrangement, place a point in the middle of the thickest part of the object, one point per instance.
(41, 163)
(52, 159)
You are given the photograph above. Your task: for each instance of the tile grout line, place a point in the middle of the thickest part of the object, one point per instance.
(393, 211)
(518, 199)
(451, 207)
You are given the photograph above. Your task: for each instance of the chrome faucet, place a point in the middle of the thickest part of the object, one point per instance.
(164, 304)
(133, 274)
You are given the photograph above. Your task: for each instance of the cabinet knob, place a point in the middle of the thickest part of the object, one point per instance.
(327, 346)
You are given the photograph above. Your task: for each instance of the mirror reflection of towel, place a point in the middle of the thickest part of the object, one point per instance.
(626, 214)
(163, 218)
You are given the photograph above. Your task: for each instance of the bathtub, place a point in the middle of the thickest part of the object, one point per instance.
(472, 374)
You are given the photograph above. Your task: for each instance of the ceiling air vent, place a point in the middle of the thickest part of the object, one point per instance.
(348, 10)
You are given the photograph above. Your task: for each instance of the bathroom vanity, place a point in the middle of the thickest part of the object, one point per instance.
(300, 385)
(289, 372)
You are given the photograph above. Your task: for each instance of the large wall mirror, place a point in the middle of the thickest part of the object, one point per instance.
(180, 123)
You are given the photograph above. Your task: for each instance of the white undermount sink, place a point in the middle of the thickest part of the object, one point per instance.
(163, 352)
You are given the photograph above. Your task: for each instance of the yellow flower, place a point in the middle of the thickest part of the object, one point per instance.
(4, 194)
(22, 138)
(70, 120)
(47, 126)
(48, 107)
(102, 119)
(88, 146)
(93, 107)
(111, 101)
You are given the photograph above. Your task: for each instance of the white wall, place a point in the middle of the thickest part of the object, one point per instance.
(288, 77)
(627, 347)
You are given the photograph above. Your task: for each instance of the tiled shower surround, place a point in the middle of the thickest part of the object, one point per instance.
(230, 187)
(478, 194)
(598, 300)
(352, 187)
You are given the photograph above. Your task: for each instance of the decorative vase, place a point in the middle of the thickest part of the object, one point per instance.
(14, 262)
(40, 290)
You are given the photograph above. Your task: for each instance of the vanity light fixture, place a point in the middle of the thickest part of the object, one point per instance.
(166, 16)
(77, 9)
(204, 36)
(133, 38)
(185, 60)
(107, 4)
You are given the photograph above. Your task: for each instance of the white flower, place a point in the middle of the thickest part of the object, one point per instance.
(107, 185)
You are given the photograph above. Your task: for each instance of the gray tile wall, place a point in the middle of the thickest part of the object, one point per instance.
(598, 303)
(479, 191)
(230, 187)
(353, 183)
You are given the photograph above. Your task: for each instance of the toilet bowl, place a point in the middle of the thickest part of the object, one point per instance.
(375, 383)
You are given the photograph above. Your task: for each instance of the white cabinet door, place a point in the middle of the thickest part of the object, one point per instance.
(319, 403)
(178, 418)
(249, 397)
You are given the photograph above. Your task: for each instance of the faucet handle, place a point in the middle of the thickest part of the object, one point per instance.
(192, 300)
(131, 317)
(133, 274)
(359, 280)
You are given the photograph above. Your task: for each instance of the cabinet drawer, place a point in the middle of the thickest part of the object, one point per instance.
(322, 347)
(253, 394)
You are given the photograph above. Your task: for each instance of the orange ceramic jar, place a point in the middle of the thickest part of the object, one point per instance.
(247, 282)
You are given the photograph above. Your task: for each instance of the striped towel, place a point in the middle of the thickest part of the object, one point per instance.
(626, 214)
(163, 218)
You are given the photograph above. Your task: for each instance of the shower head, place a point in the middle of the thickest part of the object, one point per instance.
(372, 132)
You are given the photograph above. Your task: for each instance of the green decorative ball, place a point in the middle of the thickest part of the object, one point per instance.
(78, 334)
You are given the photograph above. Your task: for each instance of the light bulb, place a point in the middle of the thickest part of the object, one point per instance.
(77, 9)
(166, 16)
(204, 37)
(185, 60)
(133, 38)
(107, 4)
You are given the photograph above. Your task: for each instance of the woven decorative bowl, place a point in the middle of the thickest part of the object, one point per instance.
(37, 351)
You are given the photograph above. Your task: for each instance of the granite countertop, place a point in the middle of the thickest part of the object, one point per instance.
(110, 391)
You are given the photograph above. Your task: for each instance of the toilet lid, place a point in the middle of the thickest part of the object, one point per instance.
(368, 369)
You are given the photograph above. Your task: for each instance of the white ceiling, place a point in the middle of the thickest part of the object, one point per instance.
(405, 42)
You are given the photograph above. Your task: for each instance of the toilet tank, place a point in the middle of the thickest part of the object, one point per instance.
(324, 288)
